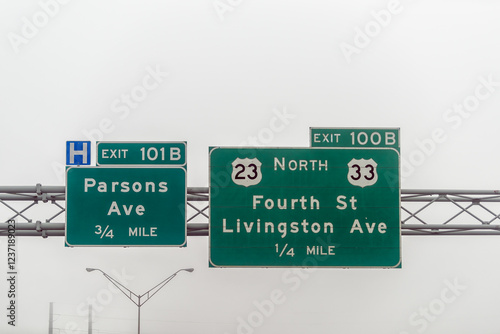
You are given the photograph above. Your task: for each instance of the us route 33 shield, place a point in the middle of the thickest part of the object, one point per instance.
(362, 172)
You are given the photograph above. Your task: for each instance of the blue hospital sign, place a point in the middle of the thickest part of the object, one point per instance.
(77, 153)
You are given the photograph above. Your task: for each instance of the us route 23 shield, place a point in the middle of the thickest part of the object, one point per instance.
(246, 172)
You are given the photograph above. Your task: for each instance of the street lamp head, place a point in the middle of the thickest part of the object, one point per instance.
(189, 269)
(90, 269)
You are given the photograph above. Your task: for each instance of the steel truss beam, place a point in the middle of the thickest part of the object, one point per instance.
(464, 212)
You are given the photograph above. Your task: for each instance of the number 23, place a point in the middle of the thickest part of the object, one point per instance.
(252, 176)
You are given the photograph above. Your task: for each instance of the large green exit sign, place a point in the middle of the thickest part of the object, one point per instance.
(119, 206)
(304, 207)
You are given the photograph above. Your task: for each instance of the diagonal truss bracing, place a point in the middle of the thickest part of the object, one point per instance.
(423, 212)
(450, 212)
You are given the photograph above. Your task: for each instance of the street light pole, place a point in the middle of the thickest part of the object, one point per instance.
(135, 298)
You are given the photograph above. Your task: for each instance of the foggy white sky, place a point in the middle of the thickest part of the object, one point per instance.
(233, 66)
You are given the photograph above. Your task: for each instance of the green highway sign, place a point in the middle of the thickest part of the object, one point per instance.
(119, 206)
(304, 207)
(141, 153)
(355, 137)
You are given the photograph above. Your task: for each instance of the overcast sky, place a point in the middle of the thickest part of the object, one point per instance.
(253, 73)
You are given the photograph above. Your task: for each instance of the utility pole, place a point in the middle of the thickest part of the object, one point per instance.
(51, 317)
(90, 319)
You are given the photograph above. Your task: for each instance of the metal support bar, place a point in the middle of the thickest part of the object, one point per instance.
(450, 192)
(32, 226)
(450, 233)
(33, 233)
(449, 227)
(32, 189)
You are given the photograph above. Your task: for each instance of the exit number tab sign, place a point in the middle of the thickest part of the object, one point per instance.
(355, 137)
(141, 153)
